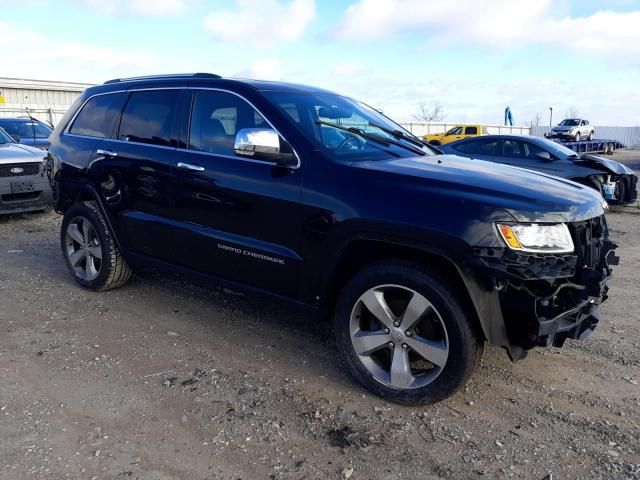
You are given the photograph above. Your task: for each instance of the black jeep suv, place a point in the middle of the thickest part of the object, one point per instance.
(319, 199)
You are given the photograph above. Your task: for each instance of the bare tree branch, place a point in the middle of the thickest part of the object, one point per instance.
(572, 112)
(536, 120)
(430, 113)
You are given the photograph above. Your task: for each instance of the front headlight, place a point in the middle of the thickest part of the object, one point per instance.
(538, 238)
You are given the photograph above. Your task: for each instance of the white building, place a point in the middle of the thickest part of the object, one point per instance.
(45, 100)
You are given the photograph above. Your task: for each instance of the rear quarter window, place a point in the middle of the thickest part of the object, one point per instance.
(99, 116)
(471, 131)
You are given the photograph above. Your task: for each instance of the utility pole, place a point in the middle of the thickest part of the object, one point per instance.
(550, 116)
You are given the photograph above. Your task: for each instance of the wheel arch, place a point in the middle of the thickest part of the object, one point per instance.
(85, 192)
(359, 253)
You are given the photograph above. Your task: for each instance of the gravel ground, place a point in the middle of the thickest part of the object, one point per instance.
(164, 379)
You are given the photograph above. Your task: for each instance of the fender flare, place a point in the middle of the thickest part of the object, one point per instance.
(93, 193)
(484, 297)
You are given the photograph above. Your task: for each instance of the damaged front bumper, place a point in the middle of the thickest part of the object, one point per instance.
(545, 299)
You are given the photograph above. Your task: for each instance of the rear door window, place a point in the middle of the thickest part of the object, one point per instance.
(149, 117)
(99, 116)
(480, 147)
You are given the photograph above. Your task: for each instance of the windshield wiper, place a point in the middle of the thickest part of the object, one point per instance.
(399, 134)
(372, 137)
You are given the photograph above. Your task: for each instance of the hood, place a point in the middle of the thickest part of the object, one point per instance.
(17, 152)
(562, 128)
(601, 163)
(526, 195)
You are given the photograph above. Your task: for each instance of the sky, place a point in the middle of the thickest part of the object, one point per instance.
(473, 58)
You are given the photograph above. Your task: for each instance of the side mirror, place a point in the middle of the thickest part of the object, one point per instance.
(544, 156)
(262, 144)
(15, 138)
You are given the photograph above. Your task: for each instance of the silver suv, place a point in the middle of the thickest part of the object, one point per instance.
(574, 128)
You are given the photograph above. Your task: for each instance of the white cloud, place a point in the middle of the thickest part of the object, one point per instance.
(262, 69)
(71, 61)
(261, 23)
(141, 7)
(494, 23)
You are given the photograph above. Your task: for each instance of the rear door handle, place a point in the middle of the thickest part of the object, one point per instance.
(106, 153)
(190, 168)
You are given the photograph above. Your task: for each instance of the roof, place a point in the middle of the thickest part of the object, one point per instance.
(261, 85)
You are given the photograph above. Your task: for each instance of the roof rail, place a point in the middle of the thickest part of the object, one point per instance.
(173, 75)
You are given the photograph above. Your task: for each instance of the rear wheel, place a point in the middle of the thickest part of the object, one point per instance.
(89, 250)
(404, 334)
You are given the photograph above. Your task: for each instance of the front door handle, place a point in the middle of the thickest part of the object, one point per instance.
(189, 167)
(106, 153)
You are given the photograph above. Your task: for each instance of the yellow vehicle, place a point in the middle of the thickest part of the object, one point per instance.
(455, 133)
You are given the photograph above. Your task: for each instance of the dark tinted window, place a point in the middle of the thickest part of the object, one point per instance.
(471, 130)
(148, 117)
(480, 147)
(217, 117)
(513, 148)
(532, 150)
(99, 116)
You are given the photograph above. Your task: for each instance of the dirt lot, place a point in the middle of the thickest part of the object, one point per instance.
(164, 379)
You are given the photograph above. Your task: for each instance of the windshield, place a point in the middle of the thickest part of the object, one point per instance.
(4, 137)
(325, 119)
(569, 122)
(26, 128)
(556, 149)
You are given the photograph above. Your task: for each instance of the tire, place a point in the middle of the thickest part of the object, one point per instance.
(435, 143)
(446, 323)
(89, 249)
(578, 137)
(590, 137)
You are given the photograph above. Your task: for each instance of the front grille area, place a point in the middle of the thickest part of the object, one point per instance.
(32, 168)
(589, 238)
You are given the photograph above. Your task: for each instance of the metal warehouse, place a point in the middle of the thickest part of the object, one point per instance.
(44, 99)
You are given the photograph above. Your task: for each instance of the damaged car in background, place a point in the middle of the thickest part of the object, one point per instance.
(616, 182)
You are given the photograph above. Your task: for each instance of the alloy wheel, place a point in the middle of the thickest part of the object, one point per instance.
(399, 336)
(83, 248)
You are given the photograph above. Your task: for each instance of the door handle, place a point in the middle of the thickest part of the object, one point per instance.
(106, 153)
(189, 167)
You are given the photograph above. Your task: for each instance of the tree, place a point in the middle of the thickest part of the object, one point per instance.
(536, 120)
(572, 112)
(430, 113)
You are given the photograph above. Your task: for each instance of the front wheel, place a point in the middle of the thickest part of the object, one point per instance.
(590, 137)
(578, 137)
(89, 249)
(404, 334)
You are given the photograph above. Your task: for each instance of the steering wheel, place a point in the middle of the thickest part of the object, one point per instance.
(348, 142)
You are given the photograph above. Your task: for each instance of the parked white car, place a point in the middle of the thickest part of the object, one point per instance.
(573, 128)
(23, 185)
